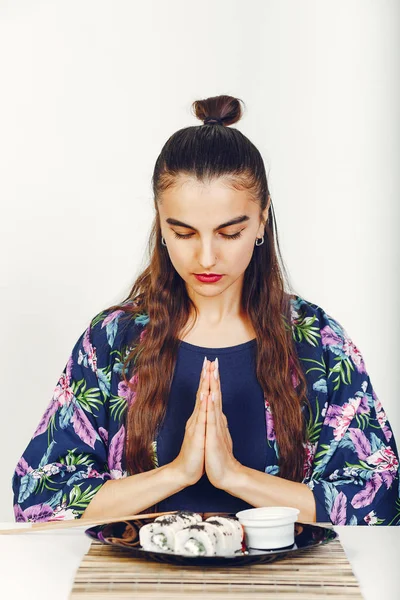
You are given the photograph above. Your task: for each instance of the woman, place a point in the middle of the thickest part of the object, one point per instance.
(212, 394)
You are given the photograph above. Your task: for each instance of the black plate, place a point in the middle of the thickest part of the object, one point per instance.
(125, 534)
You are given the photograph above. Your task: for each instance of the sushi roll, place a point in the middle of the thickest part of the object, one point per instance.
(190, 518)
(160, 534)
(183, 516)
(197, 540)
(225, 535)
(232, 532)
(157, 537)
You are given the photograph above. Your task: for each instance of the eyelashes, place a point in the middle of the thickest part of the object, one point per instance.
(235, 236)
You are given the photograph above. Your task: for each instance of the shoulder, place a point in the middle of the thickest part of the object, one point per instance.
(302, 308)
(313, 327)
(115, 327)
(314, 322)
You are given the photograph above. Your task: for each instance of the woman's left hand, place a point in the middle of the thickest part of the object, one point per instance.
(220, 464)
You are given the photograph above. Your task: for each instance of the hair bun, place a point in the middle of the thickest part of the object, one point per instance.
(225, 109)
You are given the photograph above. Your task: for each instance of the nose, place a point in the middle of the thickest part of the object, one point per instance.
(206, 257)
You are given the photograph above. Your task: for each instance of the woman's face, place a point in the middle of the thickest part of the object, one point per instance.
(207, 248)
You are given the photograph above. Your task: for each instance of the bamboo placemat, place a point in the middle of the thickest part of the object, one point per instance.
(111, 573)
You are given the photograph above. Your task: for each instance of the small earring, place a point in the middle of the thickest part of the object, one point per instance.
(163, 241)
(258, 240)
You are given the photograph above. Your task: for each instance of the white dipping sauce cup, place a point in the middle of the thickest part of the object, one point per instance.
(268, 527)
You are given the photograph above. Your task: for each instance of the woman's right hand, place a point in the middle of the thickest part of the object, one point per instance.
(190, 461)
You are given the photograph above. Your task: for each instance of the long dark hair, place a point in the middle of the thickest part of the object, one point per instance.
(205, 152)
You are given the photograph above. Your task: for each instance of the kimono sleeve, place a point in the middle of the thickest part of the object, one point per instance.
(65, 462)
(355, 471)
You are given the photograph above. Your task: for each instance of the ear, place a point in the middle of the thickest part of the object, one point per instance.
(268, 206)
(265, 216)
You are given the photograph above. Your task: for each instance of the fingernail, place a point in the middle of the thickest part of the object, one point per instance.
(204, 368)
(201, 396)
(216, 369)
(213, 397)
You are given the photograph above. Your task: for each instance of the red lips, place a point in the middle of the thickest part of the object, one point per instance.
(208, 278)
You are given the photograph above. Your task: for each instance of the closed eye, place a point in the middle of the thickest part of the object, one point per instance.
(229, 237)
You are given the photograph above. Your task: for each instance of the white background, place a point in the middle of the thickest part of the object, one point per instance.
(91, 90)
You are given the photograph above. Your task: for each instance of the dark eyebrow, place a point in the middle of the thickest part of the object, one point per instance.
(234, 221)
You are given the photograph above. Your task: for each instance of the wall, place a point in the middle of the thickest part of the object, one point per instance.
(90, 93)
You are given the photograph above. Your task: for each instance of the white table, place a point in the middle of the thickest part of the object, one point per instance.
(43, 565)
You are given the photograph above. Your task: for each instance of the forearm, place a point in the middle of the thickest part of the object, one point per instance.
(135, 493)
(262, 489)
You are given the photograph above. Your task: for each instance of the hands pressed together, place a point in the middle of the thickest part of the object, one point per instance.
(207, 444)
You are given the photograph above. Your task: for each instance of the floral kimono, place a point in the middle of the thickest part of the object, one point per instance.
(351, 463)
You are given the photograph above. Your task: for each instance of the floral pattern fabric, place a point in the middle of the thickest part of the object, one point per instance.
(351, 464)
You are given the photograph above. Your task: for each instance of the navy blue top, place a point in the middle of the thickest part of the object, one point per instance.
(243, 405)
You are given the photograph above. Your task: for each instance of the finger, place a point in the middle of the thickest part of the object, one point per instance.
(199, 409)
(211, 415)
(226, 433)
(217, 417)
(199, 428)
(211, 427)
(215, 392)
(200, 418)
(204, 387)
(217, 430)
(215, 385)
(222, 429)
(203, 381)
